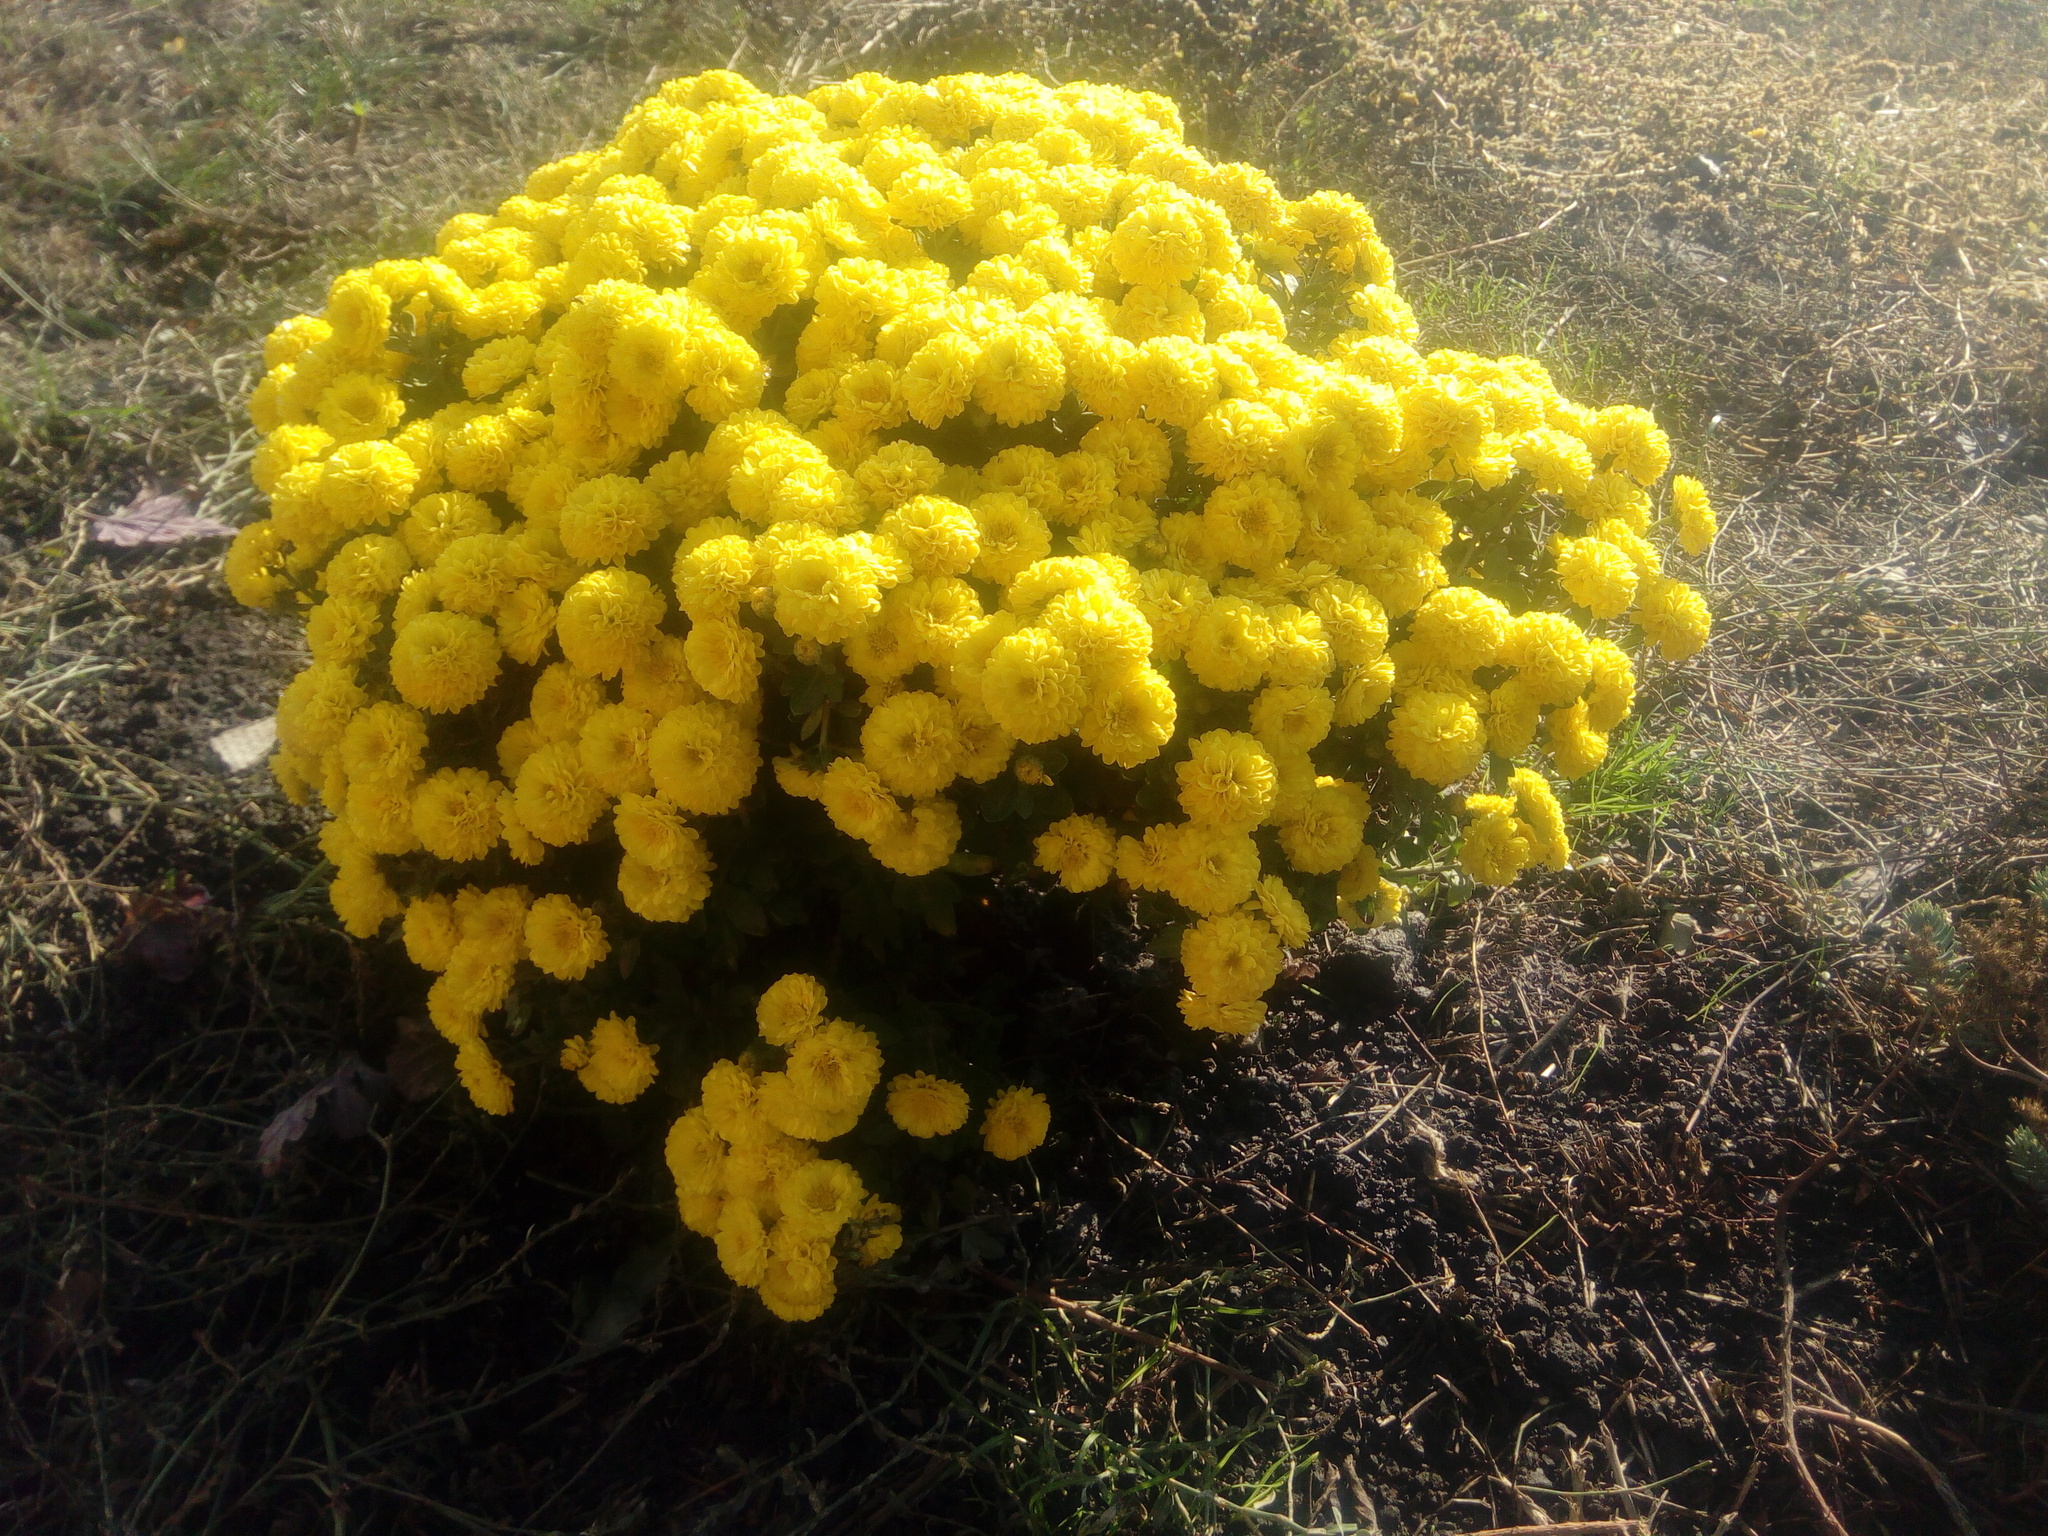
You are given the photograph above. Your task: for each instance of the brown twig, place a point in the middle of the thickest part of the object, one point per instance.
(1727, 1049)
(1892, 1440)
(1569, 1528)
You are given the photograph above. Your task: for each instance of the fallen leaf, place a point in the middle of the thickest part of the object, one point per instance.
(244, 746)
(157, 517)
(420, 1063)
(65, 1318)
(338, 1108)
(166, 932)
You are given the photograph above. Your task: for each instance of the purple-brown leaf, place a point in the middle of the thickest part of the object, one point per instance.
(157, 517)
(166, 934)
(337, 1108)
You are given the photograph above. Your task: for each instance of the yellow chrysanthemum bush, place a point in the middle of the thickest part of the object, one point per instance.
(894, 485)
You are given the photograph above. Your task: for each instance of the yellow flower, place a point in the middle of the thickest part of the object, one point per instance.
(797, 1284)
(362, 898)
(1329, 831)
(1497, 844)
(1228, 780)
(670, 893)
(1229, 644)
(1596, 575)
(1016, 1123)
(1694, 514)
(607, 618)
(1673, 616)
(1206, 869)
(695, 1153)
(1575, 746)
(444, 662)
(557, 799)
(742, 1243)
(611, 1062)
(565, 940)
(1284, 911)
(927, 1106)
(1235, 1016)
(819, 1197)
(1130, 721)
(790, 1009)
(384, 744)
(1536, 804)
(360, 406)
(1298, 718)
(910, 741)
(1032, 687)
(835, 1066)
(429, 932)
(1460, 629)
(454, 813)
(609, 519)
(1551, 656)
(1231, 956)
(483, 1079)
(1438, 737)
(1081, 850)
(703, 758)
(1613, 691)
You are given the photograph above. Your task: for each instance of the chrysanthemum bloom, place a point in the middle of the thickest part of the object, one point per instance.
(911, 742)
(742, 1243)
(695, 1153)
(1080, 850)
(1032, 687)
(819, 1197)
(1438, 737)
(611, 1061)
(1550, 655)
(790, 1009)
(454, 813)
(835, 1066)
(1227, 781)
(557, 799)
(609, 519)
(1226, 1016)
(1612, 693)
(1596, 575)
(1694, 514)
(1498, 844)
(798, 1282)
(1232, 955)
(1575, 746)
(429, 932)
(565, 939)
(1016, 1123)
(1229, 644)
(703, 758)
(484, 1080)
(384, 743)
(443, 662)
(1673, 616)
(607, 618)
(1284, 911)
(925, 1106)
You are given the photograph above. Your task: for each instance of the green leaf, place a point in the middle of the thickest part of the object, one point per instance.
(2027, 1159)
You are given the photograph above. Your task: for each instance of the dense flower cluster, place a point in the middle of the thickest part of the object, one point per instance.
(746, 1163)
(980, 397)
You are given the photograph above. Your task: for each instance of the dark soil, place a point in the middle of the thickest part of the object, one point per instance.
(1480, 1294)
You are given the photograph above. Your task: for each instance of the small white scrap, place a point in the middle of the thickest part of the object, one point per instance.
(244, 746)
